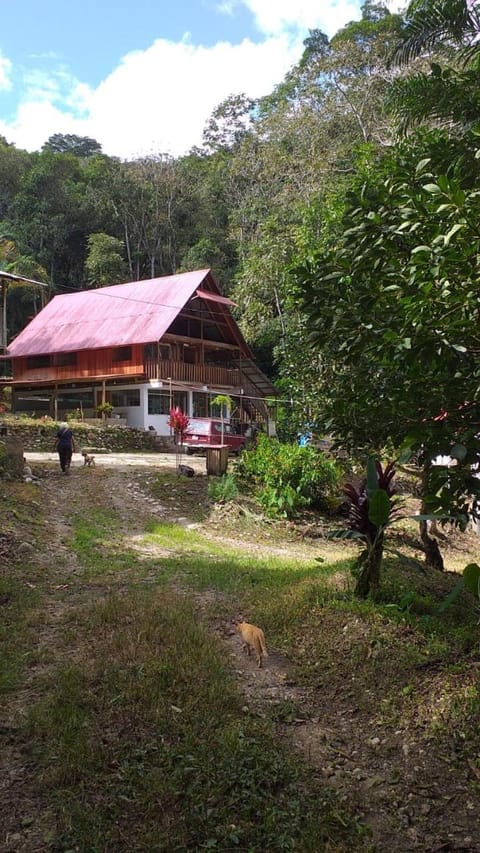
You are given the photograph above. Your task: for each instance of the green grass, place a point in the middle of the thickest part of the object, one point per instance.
(146, 747)
(285, 593)
(98, 543)
(16, 603)
(141, 742)
(21, 517)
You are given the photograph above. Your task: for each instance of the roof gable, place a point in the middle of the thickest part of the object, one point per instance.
(136, 312)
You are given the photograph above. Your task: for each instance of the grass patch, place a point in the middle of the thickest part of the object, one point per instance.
(96, 540)
(145, 747)
(16, 603)
(21, 520)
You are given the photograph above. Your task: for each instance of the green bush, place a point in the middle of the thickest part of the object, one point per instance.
(288, 477)
(222, 490)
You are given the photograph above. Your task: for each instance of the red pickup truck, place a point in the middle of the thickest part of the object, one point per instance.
(205, 432)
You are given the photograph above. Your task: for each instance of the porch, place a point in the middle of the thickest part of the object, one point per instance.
(196, 374)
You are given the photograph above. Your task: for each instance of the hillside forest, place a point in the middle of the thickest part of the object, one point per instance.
(340, 213)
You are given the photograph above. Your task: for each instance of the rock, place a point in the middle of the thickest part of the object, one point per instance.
(25, 548)
(186, 470)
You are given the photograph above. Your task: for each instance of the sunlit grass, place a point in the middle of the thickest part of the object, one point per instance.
(145, 746)
(97, 539)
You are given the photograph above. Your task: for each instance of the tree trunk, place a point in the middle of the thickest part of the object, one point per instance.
(433, 557)
(371, 564)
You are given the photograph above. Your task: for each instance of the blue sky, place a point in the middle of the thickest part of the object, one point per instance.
(143, 77)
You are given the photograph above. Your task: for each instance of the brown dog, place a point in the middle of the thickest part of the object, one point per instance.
(88, 459)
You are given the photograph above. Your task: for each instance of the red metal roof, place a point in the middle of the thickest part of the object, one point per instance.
(137, 312)
(214, 297)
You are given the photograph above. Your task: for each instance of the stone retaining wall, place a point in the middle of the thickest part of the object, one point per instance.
(40, 437)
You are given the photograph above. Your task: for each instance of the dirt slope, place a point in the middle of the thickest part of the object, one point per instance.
(412, 792)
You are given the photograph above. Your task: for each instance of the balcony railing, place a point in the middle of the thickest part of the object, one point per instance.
(196, 374)
(200, 374)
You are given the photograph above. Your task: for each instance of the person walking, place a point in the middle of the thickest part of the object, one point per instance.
(65, 445)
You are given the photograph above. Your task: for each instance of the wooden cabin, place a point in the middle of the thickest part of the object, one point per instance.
(142, 347)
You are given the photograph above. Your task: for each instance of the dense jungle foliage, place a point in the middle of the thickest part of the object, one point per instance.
(340, 213)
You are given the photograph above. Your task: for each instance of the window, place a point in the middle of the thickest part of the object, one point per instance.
(199, 427)
(150, 351)
(158, 403)
(36, 361)
(122, 399)
(75, 399)
(201, 404)
(122, 354)
(64, 359)
(180, 400)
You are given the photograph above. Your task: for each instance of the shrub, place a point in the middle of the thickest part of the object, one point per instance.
(288, 477)
(222, 490)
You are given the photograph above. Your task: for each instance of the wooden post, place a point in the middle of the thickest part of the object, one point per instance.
(217, 460)
(55, 402)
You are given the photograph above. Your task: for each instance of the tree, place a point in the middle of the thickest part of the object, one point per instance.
(300, 153)
(23, 300)
(222, 401)
(229, 123)
(69, 143)
(105, 263)
(52, 218)
(393, 310)
(446, 33)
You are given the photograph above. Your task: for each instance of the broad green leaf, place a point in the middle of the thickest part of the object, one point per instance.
(372, 476)
(443, 183)
(345, 534)
(421, 249)
(421, 165)
(432, 188)
(457, 227)
(379, 508)
(471, 576)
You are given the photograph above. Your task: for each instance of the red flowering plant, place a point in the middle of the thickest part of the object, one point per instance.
(178, 422)
(373, 507)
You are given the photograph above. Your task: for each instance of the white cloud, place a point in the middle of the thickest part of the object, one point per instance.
(276, 16)
(5, 73)
(160, 99)
(227, 7)
(157, 100)
(36, 121)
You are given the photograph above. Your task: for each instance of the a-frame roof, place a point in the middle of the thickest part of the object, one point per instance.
(133, 313)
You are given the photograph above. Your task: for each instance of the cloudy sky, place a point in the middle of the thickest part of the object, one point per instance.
(143, 77)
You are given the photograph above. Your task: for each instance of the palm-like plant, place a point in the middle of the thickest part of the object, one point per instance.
(431, 24)
(373, 507)
(449, 94)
